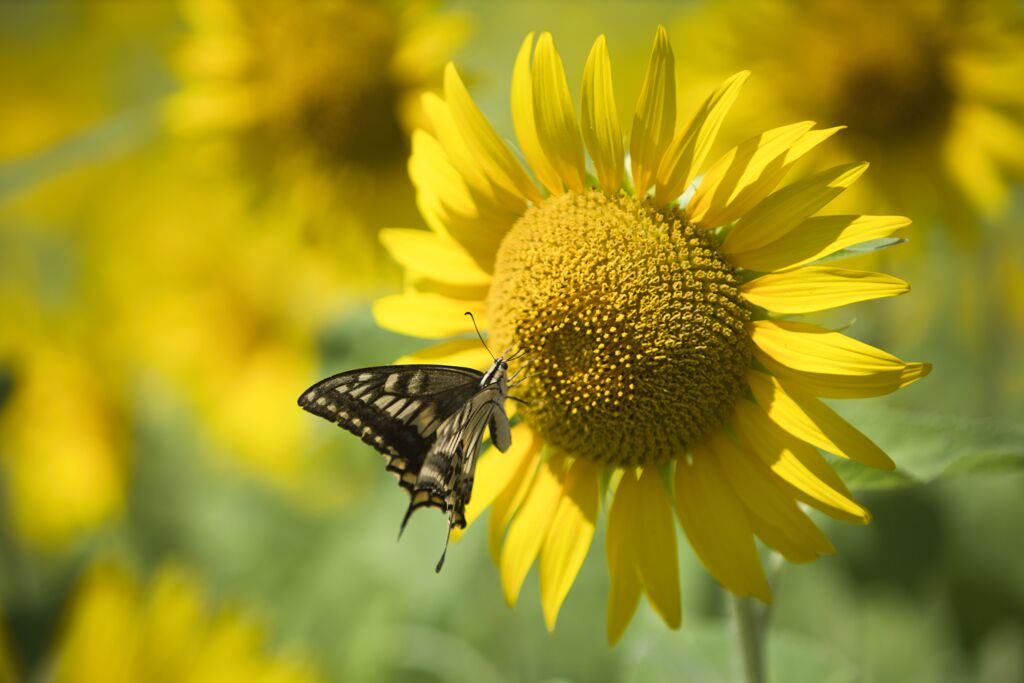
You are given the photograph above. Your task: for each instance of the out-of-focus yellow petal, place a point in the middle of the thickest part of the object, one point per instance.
(716, 523)
(467, 353)
(496, 472)
(530, 525)
(568, 540)
(524, 120)
(807, 418)
(784, 209)
(600, 118)
(773, 515)
(624, 590)
(817, 288)
(557, 131)
(748, 173)
(654, 545)
(815, 238)
(792, 465)
(508, 501)
(498, 161)
(655, 118)
(428, 316)
(829, 364)
(686, 154)
(434, 256)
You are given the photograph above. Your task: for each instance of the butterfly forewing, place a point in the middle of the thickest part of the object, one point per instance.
(397, 409)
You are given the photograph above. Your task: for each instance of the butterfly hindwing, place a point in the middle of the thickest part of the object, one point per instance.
(397, 409)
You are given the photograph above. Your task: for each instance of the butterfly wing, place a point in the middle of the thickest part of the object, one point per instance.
(397, 409)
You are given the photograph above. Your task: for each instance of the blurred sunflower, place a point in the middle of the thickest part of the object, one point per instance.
(652, 327)
(927, 89)
(314, 101)
(65, 469)
(119, 631)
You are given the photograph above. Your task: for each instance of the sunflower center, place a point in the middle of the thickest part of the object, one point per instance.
(631, 321)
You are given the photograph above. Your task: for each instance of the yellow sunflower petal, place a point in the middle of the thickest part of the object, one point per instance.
(557, 131)
(530, 525)
(774, 516)
(829, 364)
(428, 316)
(434, 256)
(743, 176)
(489, 196)
(498, 161)
(789, 463)
(654, 543)
(807, 418)
(686, 154)
(511, 497)
(817, 288)
(467, 353)
(624, 581)
(431, 170)
(448, 205)
(497, 471)
(747, 174)
(655, 118)
(524, 120)
(784, 209)
(816, 238)
(717, 525)
(568, 540)
(600, 118)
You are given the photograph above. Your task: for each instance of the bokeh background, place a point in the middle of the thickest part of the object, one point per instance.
(189, 198)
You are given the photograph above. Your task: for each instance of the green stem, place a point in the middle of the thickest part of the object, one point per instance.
(750, 632)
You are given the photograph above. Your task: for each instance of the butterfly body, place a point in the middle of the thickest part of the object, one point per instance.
(427, 421)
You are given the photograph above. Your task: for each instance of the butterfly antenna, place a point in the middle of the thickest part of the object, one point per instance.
(471, 317)
(440, 563)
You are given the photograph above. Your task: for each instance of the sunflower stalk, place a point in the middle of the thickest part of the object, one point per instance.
(751, 628)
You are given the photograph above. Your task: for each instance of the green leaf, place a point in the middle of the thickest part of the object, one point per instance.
(927, 446)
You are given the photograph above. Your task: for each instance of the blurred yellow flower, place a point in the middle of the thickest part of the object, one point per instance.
(930, 90)
(312, 102)
(8, 668)
(62, 444)
(118, 630)
(216, 302)
(657, 333)
(64, 68)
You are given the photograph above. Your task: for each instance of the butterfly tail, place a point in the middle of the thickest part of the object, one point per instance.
(440, 563)
(405, 519)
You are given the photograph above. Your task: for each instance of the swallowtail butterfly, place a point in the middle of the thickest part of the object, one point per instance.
(427, 420)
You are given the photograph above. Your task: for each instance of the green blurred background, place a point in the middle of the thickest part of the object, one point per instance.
(189, 196)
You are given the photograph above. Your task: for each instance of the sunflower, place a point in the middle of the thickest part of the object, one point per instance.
(665, 372)
(926, 88)
(118, 629)
(311, 104)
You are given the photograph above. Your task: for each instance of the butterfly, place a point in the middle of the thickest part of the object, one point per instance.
(427, 420)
